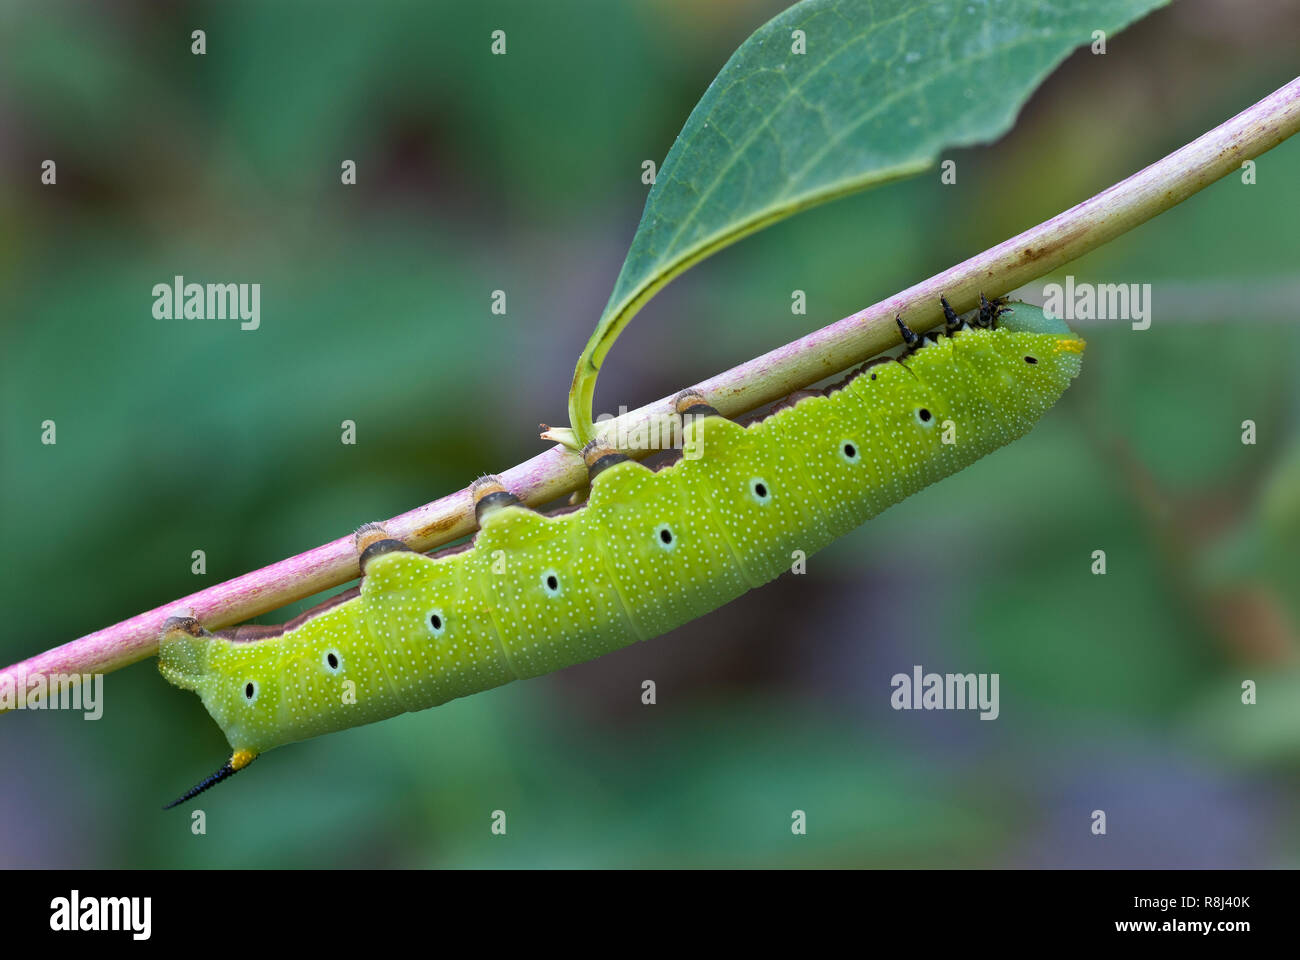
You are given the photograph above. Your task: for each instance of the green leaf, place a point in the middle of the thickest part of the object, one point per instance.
(881, 88)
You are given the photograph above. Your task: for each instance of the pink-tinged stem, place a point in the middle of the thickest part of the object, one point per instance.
(820, 354)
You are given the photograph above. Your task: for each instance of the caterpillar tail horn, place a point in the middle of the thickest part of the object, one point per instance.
(238, 761)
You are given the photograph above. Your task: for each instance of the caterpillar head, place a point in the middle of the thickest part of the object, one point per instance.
(1037, 355)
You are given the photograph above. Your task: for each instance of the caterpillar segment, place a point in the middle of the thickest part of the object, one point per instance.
(647, 551)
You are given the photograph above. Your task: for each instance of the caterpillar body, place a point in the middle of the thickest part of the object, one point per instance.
(648, 551)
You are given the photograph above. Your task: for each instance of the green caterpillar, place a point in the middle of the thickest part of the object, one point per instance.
(648, 551)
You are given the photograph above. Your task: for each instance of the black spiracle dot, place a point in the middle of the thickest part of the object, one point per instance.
(760, 489)
(924, 414)
(850, 451)
(552, 582)
(249, 690)
(435, 621)
(333, 660)
(666, 535)
(1031, 359)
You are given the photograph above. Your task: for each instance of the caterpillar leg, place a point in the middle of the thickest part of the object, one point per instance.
(913, 340)
(599, 456)
(952, 323)
(691, 403)
(490, 495)
(990, 310)
(372, 540)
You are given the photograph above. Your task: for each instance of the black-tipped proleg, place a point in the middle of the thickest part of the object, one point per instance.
(379, 547)
(238, 761)
(692, 403)
(493, 501)
(371, 540)
(952, 322)
(600, 456)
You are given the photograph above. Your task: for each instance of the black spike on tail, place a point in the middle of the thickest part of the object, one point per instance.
(228, 769)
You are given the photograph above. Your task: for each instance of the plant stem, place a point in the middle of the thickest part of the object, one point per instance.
(559, 471)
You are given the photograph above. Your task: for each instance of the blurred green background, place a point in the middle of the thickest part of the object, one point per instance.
(1119, 692)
